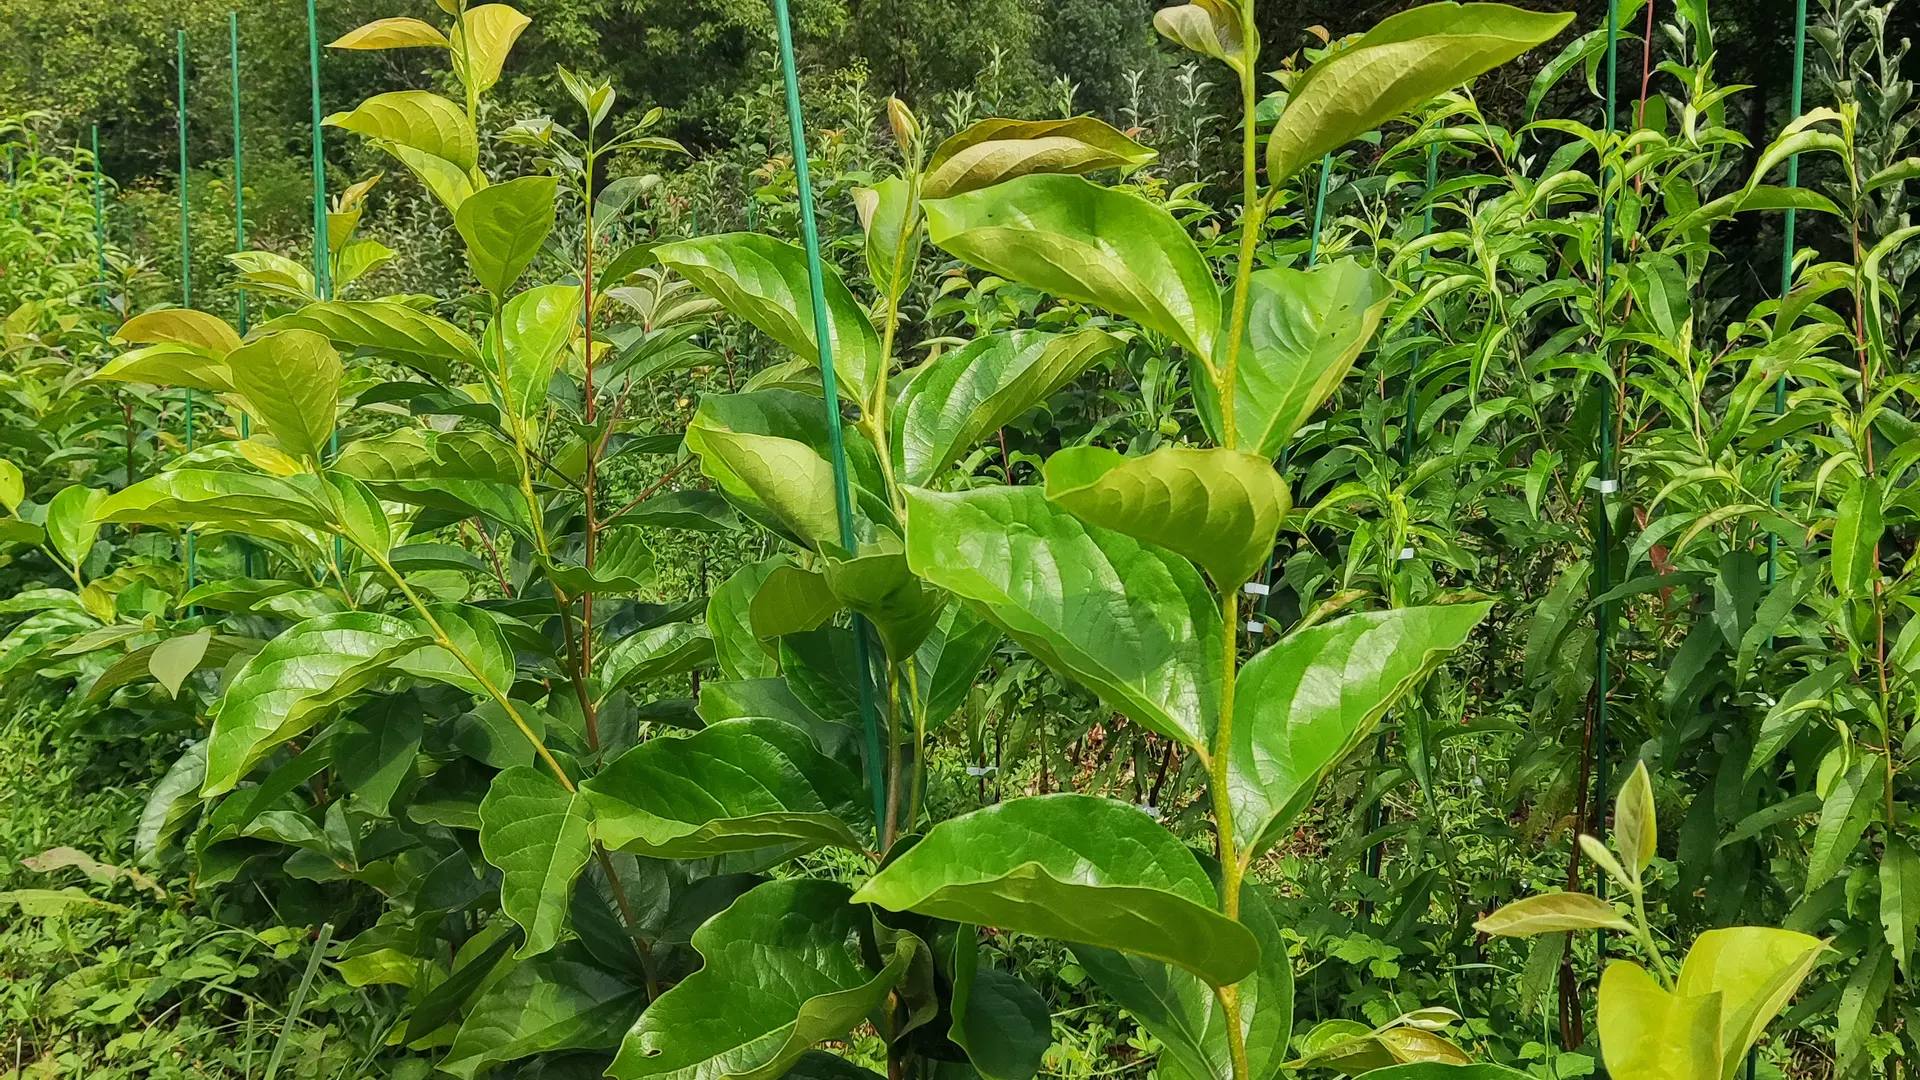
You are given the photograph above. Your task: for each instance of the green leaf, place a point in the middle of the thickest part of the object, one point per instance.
(1753, 971)
(1549, 913)
(291, 382)
(790, 600)
(887, 210)
(763, 280)
(526, 342)
(957, 648)
(72, 523)
(692, 510)
(1635, 831)
(284, 688)
(504, 227)
(173, 799)
(1428, 1070)
(1303, 705)
(1220, 508)
(1397, 66)
(537, 833)
(1647, 1032)
(1900, 898)
(183, 326)
(961, 397)
(1856, 537)
(1844, 816)
(1183, 1012)
(1076, 868)
(740, 785)
(991, 151)
(878, 584)
(782, 972)
(655, 654)
(623, 563)
(1208, 27)
(13, 486)
(374, 757)
(178, 657)
(737, 648)
(1304, 330)
(359, 515)
(1131, 622)
(479, 637)
(1075, 239)
(484, 38)
(191, 496)
(560, 1000)
(417, 120)
(398, 33)
(395, 330)
(1003, 1024)
(169, 365)
(793, 484)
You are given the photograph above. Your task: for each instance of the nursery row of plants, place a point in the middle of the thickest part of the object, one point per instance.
(1436, 601)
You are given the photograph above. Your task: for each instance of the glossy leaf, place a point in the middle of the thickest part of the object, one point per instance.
(1900, 899)
(790, 600)
(396, 330)
(887, 213)
(1650, 1034)
(1220, 508)
(961, 397)
(504, 227)
(418, 120)
(534, 328)
(763, 280)
(1304, 330)
(291, 382)
(1303, 705)
(737, 648)
(783, 971)
(1075, 239)
(399, 33)
(181, 326)
(793, 483)
(1132, 622)
(1753, 971)
(1208, 27)
(1077, 868)
(990, 151)
(489, 34)
(72, 525)
(1395, 67)
(1856, 537)
(173, 799)
(1548, 913)
(1183, 1012)
(284, 688)
(169, 364)
(1003, 1024)
(560, 1000)
(655, 654)
(878, 584)
(1635, 832)
(537, 833)
(740, 785)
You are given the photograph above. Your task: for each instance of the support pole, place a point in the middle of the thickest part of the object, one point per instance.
(186, 255)
(100, 225)
(322, 265)
(1603, 525)
(822, 330)
(1794, 109)
(239, 177)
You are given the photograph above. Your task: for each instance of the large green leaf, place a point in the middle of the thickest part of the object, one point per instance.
(1078, 868)
(1395, 67)
(526, 342)
(561, 1000)
(291, 382)
(1208, 27)
(1304, 330)
(418, 120)
(183, 326)
(169, 364)
(740, 785)
(1303, 705)
(504, 227)
(191, 496)
(763, 280)
(991, 151)
(1184, 1013)
(790, 600)
(71, 523)
(837, 734)
(785, 477)
(537, 833)
(1221, 508)
(1132, 622)
(962, 397)
(730, 622)
(655, 654)
(1003, 1024)
(1102, 246)
(783, 971)
(1753, 970)
(877, 583)
(484, 38)
(1650, 1034)
(284, 688)
(1856, 537)
(393, 329)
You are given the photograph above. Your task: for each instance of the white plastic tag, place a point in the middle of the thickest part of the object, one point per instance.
(1255, 588)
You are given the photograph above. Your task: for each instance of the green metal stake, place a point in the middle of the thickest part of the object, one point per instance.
(822, 330)
(186, 252)
(1319, 212)
(322, 271)
(1426, 229)
(239, 219)
(1602, 531)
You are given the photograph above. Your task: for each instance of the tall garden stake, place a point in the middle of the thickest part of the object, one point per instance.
(239, 214)
(822, 330)
(186, 253)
